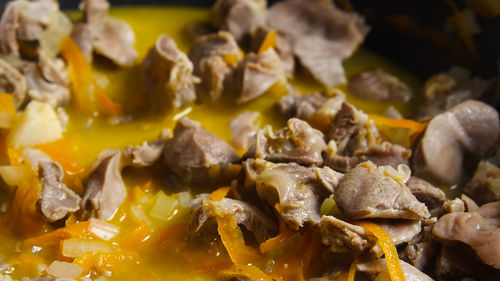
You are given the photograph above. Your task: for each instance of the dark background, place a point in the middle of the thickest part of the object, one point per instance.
(422, 56)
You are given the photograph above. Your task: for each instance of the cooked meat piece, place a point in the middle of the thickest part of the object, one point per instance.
(255, 74)
(12, 82)
(351, 130)
(446, 90)
(298, 142)
(343, 237)
(368, 191)
(244, 213)
(484, 187)
(27, 21)
(378, 85)
(105, 190)
(56, 200)
(426, 193)
(457, 261)
(380, 154)
(480, 230)
(239, 16)
(293, 190)
(53, 69)
(453, 206)
(401, 230)
(328, 177)
(422, 249)
(214, 57)
(282, 48)
(146, 154)
(377, 269)
(168, 74)
(197, 155)
(323, 36)
(82, 36)
(40, 89)
(471, 127)
(107, 36)
(470, 205)
(244, 128)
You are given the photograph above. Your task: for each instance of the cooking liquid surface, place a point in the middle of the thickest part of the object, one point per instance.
(164, 253)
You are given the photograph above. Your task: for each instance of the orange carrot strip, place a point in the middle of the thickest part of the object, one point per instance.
(135, 238)
(384, 240)
(269, 41)
(63, 151)
(219, 193)
(415, 126)
(276, 242)
(251, 272)
(77, 230)
(234, 242)
(352, 271)
(88, 96)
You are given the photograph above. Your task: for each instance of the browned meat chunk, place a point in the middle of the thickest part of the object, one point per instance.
(168, 74)
(343, 237)
(484, 187)
(471, 127)
(377, 270)
(295, 191)
(426, 193)
(445, 90)
(197, 155)
(385, 154)
(255, 74)
(378, 85)
(351, 130)
(110, 37)
(28, 21)
(298, 142)
(105, 190)
(244, 128)
(56, 200)
(368, 191)
(323, 36)
(282, 48)
(13, 82)
(214, 57)
(480, 230)
(239, 17)
(244, 213)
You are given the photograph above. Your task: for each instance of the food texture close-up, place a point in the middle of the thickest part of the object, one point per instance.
(258, 140)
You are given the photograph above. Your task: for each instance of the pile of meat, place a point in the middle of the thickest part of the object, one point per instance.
(328, 150)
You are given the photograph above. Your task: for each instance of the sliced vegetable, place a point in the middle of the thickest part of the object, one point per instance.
(89, 97)
(163, 207)
(12, 175)
(384, 240)
(64, 270)
(133, 239)
(276, 242)
(269, 42)
(219, 193)
(415, 128)
(249, 271)
(75, 248)
(352, 271)
(7, 110)
(37, 124)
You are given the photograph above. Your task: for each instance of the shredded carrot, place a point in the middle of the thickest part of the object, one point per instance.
(276, 242)
(415, 127)
(352, 271)
(101, 261)
(459, 23)
(219, 193)
(234, 242)
(88, 96)
(269, 42)
(249, 271)
(133, 239)
(384, 240)
(64, 152)
(77, 230)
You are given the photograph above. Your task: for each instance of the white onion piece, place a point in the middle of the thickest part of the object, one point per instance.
(102, 229)
(64, 270)
(12, 175)
(75, 248)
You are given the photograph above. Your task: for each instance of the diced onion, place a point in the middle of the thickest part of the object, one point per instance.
(163, 207)
(74, 248)
(37, 124)
(102, 229)
(64, 269)
(12, 175)
(184, 199)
